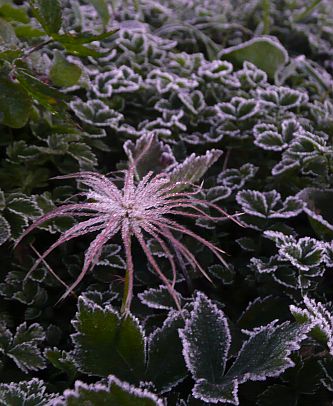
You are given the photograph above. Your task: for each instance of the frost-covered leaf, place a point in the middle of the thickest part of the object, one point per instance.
(316, 314)
(24, 206)
(238, 109)
(268, 205)
(261, 310)
(166, 82)
(327, 368)
(304, 254)
(194, 167)
(117, 81)
(154, 154)
(215, 70)
(22, 348)
(158, 298)
(236, 178)
(247, 243)
(206, 342)
(97, 113)
(105, 343)
(281, 97)
(266, 53)
(82, 152)
(267, 352)
(165, 365)
(28, 393)
(269, 137)
(318, 208)
(4, 230)
(113, 392)
(224, 273)
(61, 361)
(194, 101)
(251, 76)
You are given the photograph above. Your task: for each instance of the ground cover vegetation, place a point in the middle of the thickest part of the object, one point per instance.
(166, 216)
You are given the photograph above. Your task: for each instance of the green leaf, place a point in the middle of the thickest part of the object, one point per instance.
(107, 344)
(11, 12)
(112, 393)
(82, 38)
(101, 7)
(64, 73)
(27, 31)
(4, 230)
(165, 348)
(265, 52)
(7, 33)
(46, 95)
(48, 13)
(15, 104)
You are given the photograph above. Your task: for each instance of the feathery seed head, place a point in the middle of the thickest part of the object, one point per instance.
(140, 209)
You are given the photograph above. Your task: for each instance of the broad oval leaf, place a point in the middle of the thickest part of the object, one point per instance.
(267, 53)
(107, 344)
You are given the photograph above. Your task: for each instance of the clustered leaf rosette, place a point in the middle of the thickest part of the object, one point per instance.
(140, 208)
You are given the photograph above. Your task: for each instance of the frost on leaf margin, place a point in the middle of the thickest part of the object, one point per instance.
(194, 167)
(22, 347)
(105, 343)
(206, 341)
(31, 392)
(114, 393)
(165, 364)
(321, 319)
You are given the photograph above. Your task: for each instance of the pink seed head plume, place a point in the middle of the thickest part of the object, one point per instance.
(140, 209)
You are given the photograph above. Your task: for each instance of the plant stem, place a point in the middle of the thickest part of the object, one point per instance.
(307, 11)
(37, 47)
(124, 303)
(266, 8)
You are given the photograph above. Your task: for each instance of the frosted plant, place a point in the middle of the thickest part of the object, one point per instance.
(141, 208)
